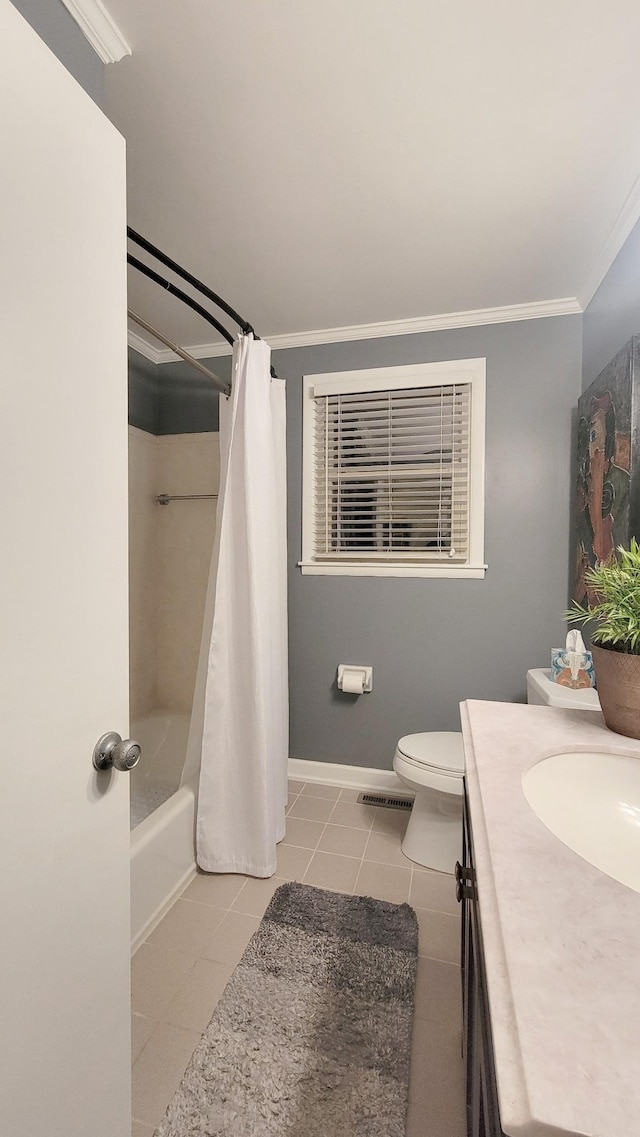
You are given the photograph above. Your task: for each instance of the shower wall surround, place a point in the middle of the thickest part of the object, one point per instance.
(170, 555)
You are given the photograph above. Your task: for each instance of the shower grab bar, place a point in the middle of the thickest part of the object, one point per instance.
(165, 498)
(220, 383)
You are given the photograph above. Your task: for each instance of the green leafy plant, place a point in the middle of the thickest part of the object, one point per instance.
(617, 612)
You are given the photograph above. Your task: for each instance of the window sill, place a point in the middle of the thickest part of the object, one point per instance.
(467, 572)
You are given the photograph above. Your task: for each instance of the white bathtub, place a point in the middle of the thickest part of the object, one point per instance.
(162, 860)
(162, 845)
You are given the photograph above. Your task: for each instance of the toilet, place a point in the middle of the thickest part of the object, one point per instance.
(432, 765)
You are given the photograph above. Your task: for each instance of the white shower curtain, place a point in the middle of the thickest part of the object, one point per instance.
(240, 719)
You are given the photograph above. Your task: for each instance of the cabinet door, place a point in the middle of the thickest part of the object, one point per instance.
(483, 1116)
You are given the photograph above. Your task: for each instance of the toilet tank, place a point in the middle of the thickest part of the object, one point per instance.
(542, 691)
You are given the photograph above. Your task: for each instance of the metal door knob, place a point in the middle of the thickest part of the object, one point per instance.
(110, 750)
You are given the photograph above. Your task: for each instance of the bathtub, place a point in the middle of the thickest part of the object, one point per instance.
(162, 845)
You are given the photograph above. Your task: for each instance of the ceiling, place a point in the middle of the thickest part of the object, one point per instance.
(330, 163)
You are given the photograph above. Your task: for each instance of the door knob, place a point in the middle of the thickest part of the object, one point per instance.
(110, 750)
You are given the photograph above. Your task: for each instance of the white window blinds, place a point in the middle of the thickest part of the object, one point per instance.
(391, 475)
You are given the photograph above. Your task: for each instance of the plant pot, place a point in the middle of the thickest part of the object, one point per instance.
(618, 682)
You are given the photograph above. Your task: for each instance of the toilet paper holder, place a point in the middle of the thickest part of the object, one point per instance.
(354, 678)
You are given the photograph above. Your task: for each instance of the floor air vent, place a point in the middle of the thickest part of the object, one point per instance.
(386, 801)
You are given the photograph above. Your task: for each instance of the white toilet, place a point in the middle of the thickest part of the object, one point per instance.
(432, 765)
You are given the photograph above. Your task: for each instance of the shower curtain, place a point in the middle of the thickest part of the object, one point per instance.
(240, 718)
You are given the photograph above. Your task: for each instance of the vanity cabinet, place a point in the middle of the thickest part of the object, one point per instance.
(483, 1115)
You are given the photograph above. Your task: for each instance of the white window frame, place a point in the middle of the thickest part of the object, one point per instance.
(471, 371)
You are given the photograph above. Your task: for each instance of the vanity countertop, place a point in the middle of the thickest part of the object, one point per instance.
(561, 939)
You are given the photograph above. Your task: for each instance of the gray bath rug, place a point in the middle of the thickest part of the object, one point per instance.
(311, 1036)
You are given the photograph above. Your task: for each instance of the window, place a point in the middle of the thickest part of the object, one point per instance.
(393, 471)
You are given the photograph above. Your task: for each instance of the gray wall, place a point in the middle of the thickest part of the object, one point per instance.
(613, 316)
(173, 398)
(435, 642)
(431, 642)
(53, 23)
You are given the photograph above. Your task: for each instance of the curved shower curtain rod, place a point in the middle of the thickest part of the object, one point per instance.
(244, 325)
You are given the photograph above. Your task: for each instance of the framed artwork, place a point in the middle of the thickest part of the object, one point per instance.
(608, 475)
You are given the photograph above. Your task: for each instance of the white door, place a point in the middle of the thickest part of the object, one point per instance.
(64, 841)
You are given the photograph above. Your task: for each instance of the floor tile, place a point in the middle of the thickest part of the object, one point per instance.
(296, 787)
(139, 1129)
(157, 1073)
(353, 815)
(304, 834)
(420, 1123)
(329, 871)
(435, 890)
(156, 974)
(341, 839)
(438, 992)
(312, 808)
(392, 821)
(231, 938)
(385, 849)
(195, 1000)
(219, 889)
(141, 1031)
(439, 935)
(292, 862)
(317, 789)
(347, 794)
(437, 1071)
(384, 882)
(255, 896)
(188, 926)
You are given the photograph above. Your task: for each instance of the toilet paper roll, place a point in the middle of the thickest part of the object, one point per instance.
(353, 681)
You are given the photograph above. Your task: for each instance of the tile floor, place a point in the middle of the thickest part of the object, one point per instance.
(179, 973)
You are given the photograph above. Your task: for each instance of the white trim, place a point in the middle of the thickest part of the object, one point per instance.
(620, 230)
(353, 777)
(383, 378)
(137, 343)
(471, 371)
(103, 34)
(537, 310)
(316, 568)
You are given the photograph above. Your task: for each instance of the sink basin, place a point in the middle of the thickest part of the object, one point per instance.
(590, 800)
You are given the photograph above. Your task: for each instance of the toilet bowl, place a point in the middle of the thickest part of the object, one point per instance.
(432, 765)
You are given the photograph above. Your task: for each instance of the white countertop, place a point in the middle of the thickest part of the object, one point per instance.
(561, 939)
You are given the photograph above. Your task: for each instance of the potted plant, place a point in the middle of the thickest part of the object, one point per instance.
(615, 609)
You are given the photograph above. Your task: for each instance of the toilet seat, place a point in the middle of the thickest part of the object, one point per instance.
(439, 751)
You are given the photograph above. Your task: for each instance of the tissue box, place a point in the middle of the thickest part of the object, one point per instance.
(561, 670)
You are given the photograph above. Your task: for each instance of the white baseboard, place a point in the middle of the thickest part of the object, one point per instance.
(353, 777)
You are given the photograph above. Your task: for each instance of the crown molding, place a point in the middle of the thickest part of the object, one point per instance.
(537, 310)
(137, 343)
(105, 37)
(620, 230)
